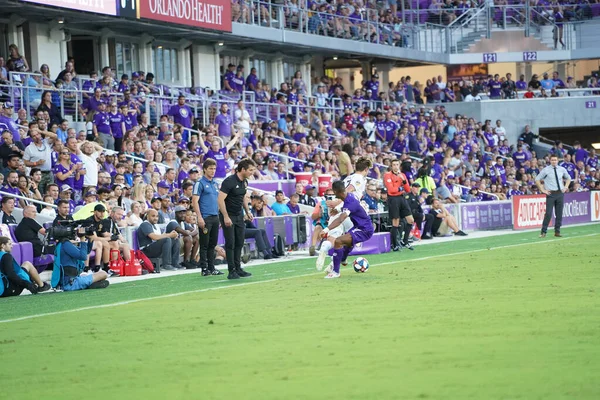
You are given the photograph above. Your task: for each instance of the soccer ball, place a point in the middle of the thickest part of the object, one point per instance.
(360, 264)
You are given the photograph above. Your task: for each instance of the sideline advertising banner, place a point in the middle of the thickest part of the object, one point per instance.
(486, 215)
(108, 7)
(595, 204)
(528, 211)
(208, 14)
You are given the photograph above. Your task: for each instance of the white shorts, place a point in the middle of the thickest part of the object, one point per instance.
(340, 230)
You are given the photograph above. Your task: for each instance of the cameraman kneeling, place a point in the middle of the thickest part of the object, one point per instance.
(69, 258)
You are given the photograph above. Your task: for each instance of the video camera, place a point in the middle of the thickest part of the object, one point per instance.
(69, 230)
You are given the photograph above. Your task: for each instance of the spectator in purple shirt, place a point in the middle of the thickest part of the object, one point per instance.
(252, 80)
(293, 204)
(521, 84)
(117, 126)
(11, 183)
(181, 113)
(495, 88)
(124, 84)
(373, 86)
(101, 128)
(218, 153)
(228, 77)
(558, 83)
(223, 121)
(237, 81)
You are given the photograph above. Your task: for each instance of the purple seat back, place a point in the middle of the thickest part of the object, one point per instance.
(134, 241)
(16, 253)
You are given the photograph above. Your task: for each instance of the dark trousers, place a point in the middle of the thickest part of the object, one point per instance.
(429, 219)
(208, 242)
(554, 200)
(261, 239)
(435, 224)
(166, 248)
(234, 241)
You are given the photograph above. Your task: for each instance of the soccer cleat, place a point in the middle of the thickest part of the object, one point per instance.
(543, 234)
(216, 272)
(395, 248)
(321, 260)
(332, 275)
(407, 246)
(329, 268)
(557, 234)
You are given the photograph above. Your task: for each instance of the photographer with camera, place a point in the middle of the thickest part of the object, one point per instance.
(17, 277)
(98, 228)
(64, 219)
(72, 249)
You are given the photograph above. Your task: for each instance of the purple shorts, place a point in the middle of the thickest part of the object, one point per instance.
(359, 235)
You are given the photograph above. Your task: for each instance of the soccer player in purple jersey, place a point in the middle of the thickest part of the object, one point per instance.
(360, 232)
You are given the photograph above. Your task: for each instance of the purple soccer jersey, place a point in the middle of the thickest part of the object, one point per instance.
(181, 115)
(219, 157)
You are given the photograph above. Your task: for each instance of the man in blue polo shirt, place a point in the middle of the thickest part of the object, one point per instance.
(204, 203)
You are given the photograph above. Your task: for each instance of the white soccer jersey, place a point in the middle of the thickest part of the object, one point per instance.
(359, 183)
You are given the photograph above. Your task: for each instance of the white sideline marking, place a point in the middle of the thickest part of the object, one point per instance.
(166, 296)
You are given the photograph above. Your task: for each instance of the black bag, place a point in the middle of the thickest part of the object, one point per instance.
(279, 247)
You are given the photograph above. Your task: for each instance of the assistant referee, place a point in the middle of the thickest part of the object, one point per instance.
(231, 201)
(397, 186)
(556, 183)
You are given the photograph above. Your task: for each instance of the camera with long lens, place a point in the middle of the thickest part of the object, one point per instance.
(70, 230)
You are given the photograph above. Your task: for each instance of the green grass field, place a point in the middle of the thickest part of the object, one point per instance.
(505, 317)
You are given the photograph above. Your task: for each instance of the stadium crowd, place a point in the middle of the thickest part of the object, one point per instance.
(150, 170)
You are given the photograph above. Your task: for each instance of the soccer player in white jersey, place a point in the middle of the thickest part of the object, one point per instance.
(355, 183)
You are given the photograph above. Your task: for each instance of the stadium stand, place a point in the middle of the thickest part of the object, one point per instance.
(131, 142)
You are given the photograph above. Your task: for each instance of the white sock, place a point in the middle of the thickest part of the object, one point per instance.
(326, 246)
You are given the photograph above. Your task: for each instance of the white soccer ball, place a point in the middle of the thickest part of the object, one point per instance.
(360, 264)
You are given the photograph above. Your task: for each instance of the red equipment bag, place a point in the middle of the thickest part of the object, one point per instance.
(144, 261)
(133, 266)
(117, 263)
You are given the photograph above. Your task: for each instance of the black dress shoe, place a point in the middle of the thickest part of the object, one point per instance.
(244, 274)
(189, 265)
(233, 275)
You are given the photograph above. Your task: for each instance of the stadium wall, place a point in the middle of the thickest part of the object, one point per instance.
(538, 113)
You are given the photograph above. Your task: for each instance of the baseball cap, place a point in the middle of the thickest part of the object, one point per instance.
(424, 190)
(278, 192)
(91, 193)
(383, 190)
(416, 184)
(100, 207)
(450, 175)
(163, 185)
(8, 104)
(124, 76)
(183, 198)
(194, 169)
(309, 187)
(155, 199)
(180, 208)
(64, 188)
(135, 75)
(375, 76)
